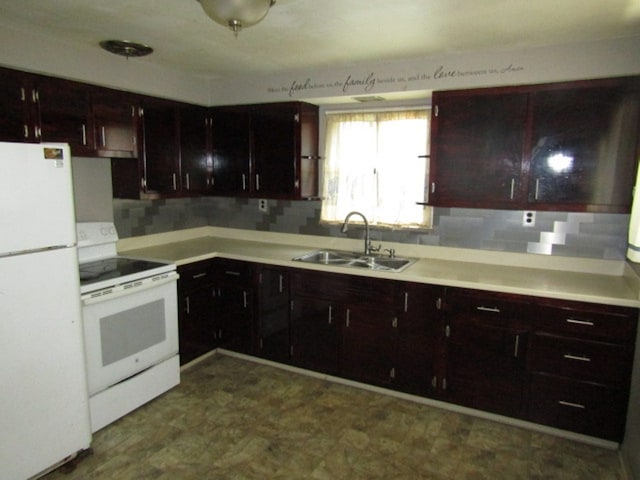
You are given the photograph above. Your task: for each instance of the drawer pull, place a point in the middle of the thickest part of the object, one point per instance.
(488, 309)
(580, 322)
(517, 344)
(199, 275)
(571, 404)
(582, 358)
(229, 272)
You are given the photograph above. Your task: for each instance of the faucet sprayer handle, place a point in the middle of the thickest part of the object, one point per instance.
(392, 252)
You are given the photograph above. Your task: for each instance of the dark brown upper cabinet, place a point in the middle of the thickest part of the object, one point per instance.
(18, 101)
(65, 114)
(115, 123)
(195, 149)
(160, 147)
(564, 146)
(267, 150)
(230, 150)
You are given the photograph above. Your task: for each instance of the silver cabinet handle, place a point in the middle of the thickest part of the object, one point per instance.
(581, 358)
(513, 184)
(406, 301)
(257, 181)
(330, 320)
(348, 315)
(517, 344)
(281, 284)
(199, 275)
(175, 183)
(537, 189)
(103, 133)
(231, 272)
(187, 181)
(580, 322)
(571, 404)
(26, 131)
(84, 134)
(188, 305)
(244, 182)
(394, 322)
(488, 309)
(244, 298)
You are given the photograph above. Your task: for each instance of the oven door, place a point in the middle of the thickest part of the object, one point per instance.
(129, 329)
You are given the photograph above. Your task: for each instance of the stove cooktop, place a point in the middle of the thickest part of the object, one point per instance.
(113, 271)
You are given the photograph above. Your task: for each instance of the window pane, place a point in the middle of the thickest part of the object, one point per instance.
(372, 166)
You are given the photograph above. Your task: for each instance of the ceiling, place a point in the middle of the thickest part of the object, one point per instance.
(315, 34)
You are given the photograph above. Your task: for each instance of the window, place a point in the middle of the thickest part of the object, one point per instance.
(373, 165)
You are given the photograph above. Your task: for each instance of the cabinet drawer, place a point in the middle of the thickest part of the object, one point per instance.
(598, 322)
(195, 275)
(485, 304)
(582, 360)
(233, 272)
(579, 407)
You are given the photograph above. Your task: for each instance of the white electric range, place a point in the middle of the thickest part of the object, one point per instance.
(130, 320)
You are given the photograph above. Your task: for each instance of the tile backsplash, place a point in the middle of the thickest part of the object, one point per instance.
(591, 235)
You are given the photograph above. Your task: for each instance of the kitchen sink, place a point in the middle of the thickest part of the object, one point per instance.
(356, 260)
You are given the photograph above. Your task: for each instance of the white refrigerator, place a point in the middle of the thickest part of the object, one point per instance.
(44, 412)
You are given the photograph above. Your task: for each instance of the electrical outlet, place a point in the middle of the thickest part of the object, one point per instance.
(262, 205)
(528, 219)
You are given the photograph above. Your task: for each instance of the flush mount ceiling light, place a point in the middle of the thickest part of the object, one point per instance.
(237, 14)
(126, 48)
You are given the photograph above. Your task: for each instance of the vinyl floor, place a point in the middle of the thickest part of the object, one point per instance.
(235, 419)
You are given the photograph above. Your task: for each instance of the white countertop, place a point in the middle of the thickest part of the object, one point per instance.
(588, 280)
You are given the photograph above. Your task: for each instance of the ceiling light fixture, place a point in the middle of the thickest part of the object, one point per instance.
(126, 48)
(237, 14)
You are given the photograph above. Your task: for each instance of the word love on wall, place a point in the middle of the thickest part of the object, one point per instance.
(355, 83)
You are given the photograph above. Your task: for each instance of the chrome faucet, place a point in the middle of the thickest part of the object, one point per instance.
(367, 242)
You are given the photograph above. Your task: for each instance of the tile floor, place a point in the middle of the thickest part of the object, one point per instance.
(235, 419)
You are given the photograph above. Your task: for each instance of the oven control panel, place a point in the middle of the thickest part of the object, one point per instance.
(96, 233)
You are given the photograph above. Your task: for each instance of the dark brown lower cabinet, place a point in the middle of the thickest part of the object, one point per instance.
(234, 303)
(369, 338)
(314, 333)
(557, 363)
(197, 325)
(487, 338)
(581, 361)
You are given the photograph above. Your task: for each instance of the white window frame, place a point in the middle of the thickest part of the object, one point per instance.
(427, 211)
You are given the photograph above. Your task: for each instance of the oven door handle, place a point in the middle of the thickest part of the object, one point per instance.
(129, 288)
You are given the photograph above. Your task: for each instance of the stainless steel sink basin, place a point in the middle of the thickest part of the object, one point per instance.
(356, 260)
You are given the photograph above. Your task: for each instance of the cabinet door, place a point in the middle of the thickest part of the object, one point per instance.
(195, 161)
(64, 108)
(230, 150)
(419, 338)
(487, 341)
(273, 128)
(314, 334)
(234, 314)
(196, 320)
(369, 344)
(114, 117)
(160, 149)
(477, 142)
(234, 306)
(16, 98)
(584, 143)
(273, 314)
(198, 329)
